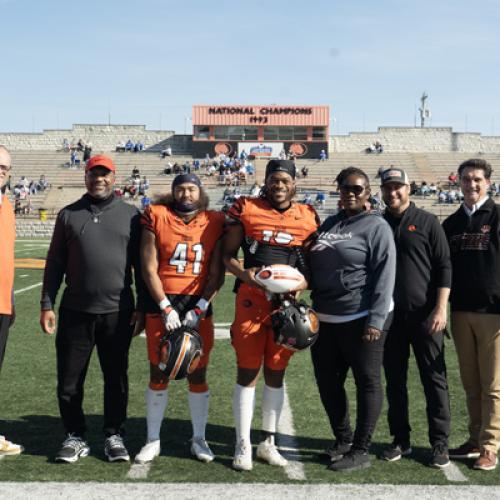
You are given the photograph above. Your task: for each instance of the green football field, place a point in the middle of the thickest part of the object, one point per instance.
(29, 413)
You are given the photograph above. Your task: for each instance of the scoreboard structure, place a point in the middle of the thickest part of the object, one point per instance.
(261, 131)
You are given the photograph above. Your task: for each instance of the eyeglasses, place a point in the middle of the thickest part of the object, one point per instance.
(5, 168)
(348, 188)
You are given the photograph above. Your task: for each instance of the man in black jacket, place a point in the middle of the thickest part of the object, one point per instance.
(473, 233)
(95, 244)
(423, 279)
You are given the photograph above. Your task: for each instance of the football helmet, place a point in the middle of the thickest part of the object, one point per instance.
(180, 352)
(295, 325)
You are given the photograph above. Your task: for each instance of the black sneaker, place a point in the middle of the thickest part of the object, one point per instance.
(338, 450)
(115, 450)
(396, 451)
(440, 458)
(72, 449)
(353, 460)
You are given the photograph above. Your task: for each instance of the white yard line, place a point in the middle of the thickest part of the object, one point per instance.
(288, 444)
(222, 325)
(453, 473)
(139, 471)
(241, 491)
(27, 288)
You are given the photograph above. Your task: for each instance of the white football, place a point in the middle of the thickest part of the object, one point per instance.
(279, 278)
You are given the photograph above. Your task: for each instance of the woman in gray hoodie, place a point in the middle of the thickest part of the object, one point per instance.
(353, 264)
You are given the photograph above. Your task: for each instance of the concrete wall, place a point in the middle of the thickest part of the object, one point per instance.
(417, 140)
(102, 137)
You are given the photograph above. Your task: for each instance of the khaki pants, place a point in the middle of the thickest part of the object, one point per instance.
(477, 341)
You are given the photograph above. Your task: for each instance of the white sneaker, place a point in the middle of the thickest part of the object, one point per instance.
(148, 452)
(201, 450)
(268, 452)
(243, 456)
(8, 448)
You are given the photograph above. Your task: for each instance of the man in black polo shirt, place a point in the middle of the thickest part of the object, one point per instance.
(423, 279)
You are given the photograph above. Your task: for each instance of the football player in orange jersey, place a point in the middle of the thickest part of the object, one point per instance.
(270, 229)
(182, 269)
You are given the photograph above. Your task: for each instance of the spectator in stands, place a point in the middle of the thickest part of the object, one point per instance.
(145, 201)
(168, 168)
(282, 155)
(441, 196)
(135, 172)
(320, 199)
(73, 158)
(250, 168)
(42, 184)
(307, 200)
(80, 145)
(378, 147)
(424, 189)
(305, 171)
(65, 145)
(255, 190)
(322, 155)
(120, 147)
(144, 186)
(87, 152)
(166, 152)
(129, 146)
(177, 168)
(243, 155)
(452, 180)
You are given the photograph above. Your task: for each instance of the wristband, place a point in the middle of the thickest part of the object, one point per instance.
(202, 304)
(163, 304)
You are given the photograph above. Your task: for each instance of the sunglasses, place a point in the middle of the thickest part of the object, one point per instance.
(348, 188)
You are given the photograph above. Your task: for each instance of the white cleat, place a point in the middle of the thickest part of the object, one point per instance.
(268, 452)
(148, 452)
(243, 456)
(201, 450)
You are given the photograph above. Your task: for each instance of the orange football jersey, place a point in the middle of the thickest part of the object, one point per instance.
(264, 223)
(184, 250)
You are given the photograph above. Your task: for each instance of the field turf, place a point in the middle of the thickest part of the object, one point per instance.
(30, 416)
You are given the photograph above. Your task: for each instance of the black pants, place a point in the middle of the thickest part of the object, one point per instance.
(408, 329)
(338, 348)
(77, 334)
(4, 333)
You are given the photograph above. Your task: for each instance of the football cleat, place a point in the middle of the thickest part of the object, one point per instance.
(180, 352)
(243, 456)
(268, 452)
(148, 452)
(295, 325)
(279, 278)
(201, 450)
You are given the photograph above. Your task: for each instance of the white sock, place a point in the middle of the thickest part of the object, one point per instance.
(272, 404)
(243, 400)
(156, 404)
(198, 407)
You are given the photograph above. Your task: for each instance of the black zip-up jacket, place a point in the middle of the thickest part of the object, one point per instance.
(475, 258)
(423, 259)
(95, 244)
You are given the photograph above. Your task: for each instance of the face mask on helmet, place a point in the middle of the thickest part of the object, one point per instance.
(295, 325)
(180, 353)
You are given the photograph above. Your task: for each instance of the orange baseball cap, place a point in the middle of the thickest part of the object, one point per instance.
(100, 161)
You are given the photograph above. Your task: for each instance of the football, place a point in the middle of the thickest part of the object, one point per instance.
(279, 278)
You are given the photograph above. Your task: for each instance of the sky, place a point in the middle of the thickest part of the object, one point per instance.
(149, 62)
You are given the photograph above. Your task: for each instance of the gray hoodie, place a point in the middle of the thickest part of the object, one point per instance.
(353, 267)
